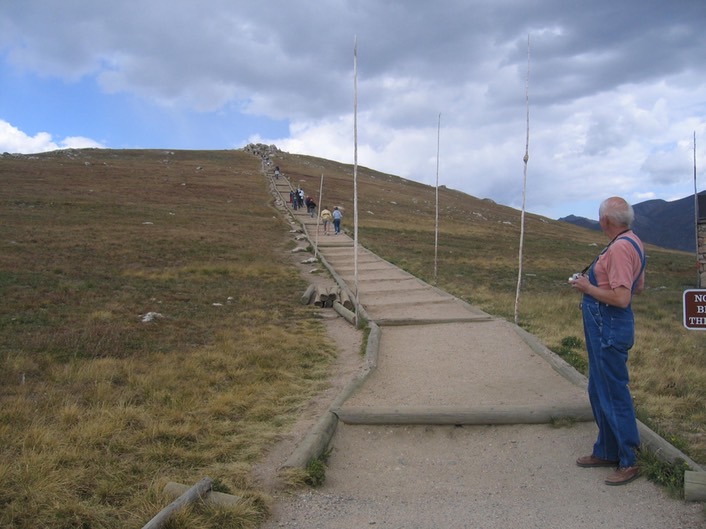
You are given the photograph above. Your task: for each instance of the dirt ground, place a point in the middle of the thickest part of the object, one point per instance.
(428, 477)
(348, 362)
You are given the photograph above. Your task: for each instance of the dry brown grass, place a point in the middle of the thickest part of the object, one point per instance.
(98, 409)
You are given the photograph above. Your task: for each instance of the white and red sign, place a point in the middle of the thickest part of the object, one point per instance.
(695, 309)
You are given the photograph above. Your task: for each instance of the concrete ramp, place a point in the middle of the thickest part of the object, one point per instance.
(481, 366)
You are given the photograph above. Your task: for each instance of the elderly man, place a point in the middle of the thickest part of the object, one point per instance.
(608, 285)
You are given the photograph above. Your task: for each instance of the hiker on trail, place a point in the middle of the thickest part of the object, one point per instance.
(608, 285)
(294, 199)
(337, 220)
(277, 173)
(326, 218)
(310, 206)
(301, 197)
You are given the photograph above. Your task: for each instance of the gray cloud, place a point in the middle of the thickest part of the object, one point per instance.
(612, 83)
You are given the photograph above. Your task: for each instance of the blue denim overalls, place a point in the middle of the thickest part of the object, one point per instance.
(610, 333)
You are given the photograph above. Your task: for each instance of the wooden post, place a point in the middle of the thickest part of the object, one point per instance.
(345, 300)
(326, 299)
(322, 298)
(478, 415)
(700, 247)
(347, 314)
(701, 252)
(191, 495)
(315, 443)
(694, 486)
(436, 224)
(175, 490)
(524, 194)
(306, 297)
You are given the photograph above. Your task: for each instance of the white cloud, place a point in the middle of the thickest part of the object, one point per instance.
(646, 196)
(79, 142)
(15, 141)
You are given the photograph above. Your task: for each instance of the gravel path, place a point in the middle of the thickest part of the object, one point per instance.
(490, 477)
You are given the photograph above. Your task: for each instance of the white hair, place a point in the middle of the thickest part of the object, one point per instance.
(618, 211)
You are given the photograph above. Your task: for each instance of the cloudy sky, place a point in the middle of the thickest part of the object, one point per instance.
(617, 88)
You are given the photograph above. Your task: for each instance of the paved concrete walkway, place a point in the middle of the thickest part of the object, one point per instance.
(456, 427)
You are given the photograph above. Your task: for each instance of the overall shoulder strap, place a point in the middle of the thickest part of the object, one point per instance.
(642, 259)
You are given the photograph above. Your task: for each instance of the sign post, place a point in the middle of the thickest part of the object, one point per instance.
(695, 309)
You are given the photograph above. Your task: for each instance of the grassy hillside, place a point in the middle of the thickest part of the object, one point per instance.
(99, 408)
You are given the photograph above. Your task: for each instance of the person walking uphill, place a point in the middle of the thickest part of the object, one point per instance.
(609, 327)
(337, 215)
(326, 218)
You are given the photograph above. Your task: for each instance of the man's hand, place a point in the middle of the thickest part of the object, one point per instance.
(618, 297)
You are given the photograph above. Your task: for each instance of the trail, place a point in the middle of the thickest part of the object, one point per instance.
(456, 426)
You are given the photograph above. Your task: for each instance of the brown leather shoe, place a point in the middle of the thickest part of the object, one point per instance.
(593, 461)
(622, 476)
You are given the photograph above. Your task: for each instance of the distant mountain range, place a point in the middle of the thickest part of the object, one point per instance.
(658, 222)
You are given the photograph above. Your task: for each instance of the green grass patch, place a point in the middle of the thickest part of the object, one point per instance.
(668, 475)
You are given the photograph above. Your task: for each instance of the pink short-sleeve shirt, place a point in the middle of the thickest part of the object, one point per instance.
(620, 265)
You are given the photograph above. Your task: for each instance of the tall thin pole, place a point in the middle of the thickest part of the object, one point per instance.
(524, 192)
(318, 217)
(355, 173)
(436, 229)
(696, 220)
